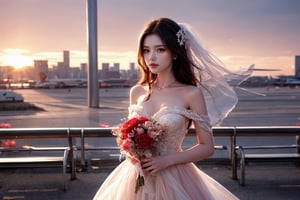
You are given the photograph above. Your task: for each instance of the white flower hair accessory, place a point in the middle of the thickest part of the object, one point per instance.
(181, 39)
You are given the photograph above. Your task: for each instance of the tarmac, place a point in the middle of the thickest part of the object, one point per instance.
(68, 108)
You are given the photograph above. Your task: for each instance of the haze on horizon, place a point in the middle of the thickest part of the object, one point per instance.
(240, 33)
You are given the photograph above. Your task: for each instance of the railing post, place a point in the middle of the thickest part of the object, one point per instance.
(298, 143)
(71, 156)
(298, 148)
(82, 151)
(233, 154)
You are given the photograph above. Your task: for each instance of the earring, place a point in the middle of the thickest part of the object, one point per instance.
(175, 57)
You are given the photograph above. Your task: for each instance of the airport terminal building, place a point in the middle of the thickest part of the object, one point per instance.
(297, 67)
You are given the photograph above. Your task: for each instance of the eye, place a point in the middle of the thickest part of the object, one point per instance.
(161, 49)
(145, 50)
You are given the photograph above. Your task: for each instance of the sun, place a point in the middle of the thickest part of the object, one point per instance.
(17, 60)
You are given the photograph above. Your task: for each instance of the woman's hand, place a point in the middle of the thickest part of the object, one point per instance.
(131, 158)
(155, 164)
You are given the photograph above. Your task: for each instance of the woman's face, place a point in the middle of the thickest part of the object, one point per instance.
(157, 56)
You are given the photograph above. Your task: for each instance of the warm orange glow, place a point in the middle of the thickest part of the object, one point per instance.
(17, 60)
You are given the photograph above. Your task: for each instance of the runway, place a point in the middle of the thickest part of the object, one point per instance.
(266, 107)
(69, 108)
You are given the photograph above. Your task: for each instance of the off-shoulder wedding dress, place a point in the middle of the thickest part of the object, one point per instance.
(179, 182)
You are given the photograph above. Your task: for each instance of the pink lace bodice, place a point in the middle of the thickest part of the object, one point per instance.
(175, 120)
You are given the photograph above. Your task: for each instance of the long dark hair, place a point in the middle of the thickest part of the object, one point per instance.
(182, 67)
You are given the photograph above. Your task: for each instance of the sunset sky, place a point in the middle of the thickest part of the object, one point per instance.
(239, 32)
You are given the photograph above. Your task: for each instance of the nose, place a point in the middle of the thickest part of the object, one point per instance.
(152, 55)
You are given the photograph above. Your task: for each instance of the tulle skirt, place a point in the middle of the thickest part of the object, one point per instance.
(180, 182)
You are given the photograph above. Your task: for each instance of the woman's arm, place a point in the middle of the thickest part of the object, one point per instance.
(205, 146)
(202, 150)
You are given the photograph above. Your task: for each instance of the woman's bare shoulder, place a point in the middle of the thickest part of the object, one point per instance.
(195, 99)
(192, 91)
(136, 91)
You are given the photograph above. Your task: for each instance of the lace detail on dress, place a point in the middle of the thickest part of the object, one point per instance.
(132, 111)
(202, 120)
(175, 120)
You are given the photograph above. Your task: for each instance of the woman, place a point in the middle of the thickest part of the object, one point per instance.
(181, 84)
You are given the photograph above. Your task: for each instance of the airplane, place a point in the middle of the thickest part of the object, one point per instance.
(44, 82)
(291, 82)
(234, 80)
(238, 79)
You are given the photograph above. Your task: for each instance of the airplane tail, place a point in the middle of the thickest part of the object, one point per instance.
(247, 74)
(42, 77)
(237, 78)
(251, 67)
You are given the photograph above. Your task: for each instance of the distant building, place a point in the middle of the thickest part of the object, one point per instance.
(114, 72)
(83, 70)
(74, 72)
(40, 66)
(105, 67)
(133, 76)
(132, 66)
(297, 66)
(116, 67)
(64, 67)
(3, 72)
(62, 71)
(104, 71)
(66, 59)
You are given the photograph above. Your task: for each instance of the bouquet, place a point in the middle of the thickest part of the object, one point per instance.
(138, 137)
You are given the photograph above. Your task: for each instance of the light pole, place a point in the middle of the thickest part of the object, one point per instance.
(93, 84)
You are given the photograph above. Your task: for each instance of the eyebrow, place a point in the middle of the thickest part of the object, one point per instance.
(160, 45)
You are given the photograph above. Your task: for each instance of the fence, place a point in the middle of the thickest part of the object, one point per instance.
(82, 133)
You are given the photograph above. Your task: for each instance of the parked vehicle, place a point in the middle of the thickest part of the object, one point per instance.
(10, 96)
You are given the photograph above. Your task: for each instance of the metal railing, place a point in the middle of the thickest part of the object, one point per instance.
(82, 133)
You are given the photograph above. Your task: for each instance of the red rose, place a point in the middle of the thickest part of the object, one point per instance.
(143, 141)
(127, 144)
(128, 127)
(142, 119)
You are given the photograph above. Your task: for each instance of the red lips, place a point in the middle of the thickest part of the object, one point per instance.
(153, 65)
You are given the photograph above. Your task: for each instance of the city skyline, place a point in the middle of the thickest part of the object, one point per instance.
(240, 33)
